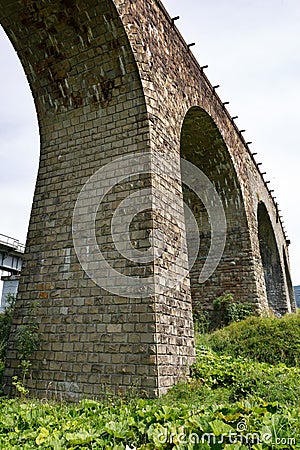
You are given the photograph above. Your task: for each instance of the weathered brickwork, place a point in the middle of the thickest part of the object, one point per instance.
(111, 78)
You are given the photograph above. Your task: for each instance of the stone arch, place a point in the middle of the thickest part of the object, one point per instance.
(22, 144)
(203, 145)
(91, 108)
(273, 273)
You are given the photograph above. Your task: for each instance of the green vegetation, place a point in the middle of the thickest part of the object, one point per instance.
(145, 424)
(232, 311)
(230, 402)
(269, 340)
(242, 377)
(225, 311)
(27, 342)
(243, 393)
(5, 324)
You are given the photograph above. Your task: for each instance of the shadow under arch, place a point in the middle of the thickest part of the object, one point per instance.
(202, 145)
(273, 271)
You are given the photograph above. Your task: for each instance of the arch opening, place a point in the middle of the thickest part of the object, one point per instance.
(203, 146)
(91, 109)
(19, 155)
(273, 273)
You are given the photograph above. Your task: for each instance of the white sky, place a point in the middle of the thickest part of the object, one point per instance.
(252, 48)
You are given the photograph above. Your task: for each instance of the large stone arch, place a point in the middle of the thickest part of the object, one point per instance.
(91, 109)
(202, 144)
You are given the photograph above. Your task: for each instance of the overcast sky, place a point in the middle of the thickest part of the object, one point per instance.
(252, 48)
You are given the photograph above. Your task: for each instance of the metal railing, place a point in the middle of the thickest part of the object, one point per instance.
(13, 243)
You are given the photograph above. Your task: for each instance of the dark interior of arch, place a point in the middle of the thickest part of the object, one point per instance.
(273, 273)
(203, 145)
(59, 45)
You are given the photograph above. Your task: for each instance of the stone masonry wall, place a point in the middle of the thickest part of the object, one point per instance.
(91, 109)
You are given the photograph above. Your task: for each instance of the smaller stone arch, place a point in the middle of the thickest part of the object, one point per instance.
(272, 266)
(203, 145)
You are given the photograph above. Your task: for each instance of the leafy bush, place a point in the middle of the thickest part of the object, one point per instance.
(244, 377)
(5, 324)
(27, 342)
(202, 321)
(271, 340)
(230, 403)
(239, 311)
(227, 310)
(222, 301)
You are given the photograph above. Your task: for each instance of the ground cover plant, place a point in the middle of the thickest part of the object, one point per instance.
(145, 424)
(233, 400)
(229, 402)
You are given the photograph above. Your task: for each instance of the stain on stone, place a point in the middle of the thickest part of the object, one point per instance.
(76, 99)
(106, 88)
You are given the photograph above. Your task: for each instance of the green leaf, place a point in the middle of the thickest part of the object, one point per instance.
(218, 427)
(198, 422)
(82, 437)
(42, 436)
(159, 435)
(8, 422)
(117, 429)
(90, 403)
(56, 442)
(235, 447)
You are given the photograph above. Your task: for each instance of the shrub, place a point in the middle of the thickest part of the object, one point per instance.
(202, 321)
(244, 377)
(26, 341)
(239, 311)
(5, 324)
(225, 310)
(272, 340)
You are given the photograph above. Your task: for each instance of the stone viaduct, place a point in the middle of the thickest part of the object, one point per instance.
(112, 78)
